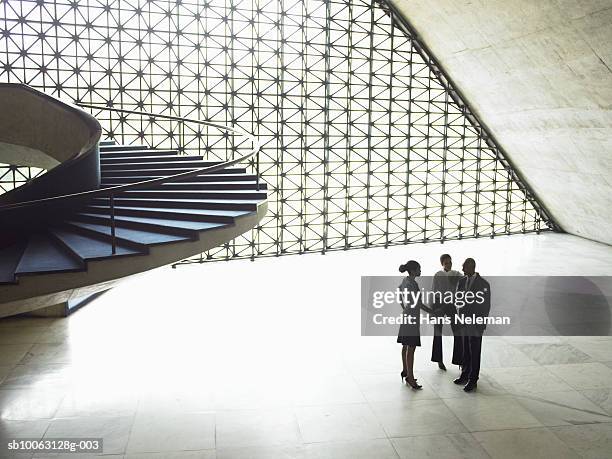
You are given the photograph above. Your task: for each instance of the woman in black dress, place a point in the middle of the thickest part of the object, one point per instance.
(410, 332)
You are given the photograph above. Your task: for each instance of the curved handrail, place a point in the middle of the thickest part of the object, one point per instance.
(91, 122)
(111, 191)
(88, 151)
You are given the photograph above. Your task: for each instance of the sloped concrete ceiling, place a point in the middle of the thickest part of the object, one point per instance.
(538, 74)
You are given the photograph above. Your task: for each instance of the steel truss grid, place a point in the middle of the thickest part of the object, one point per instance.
(365, 142)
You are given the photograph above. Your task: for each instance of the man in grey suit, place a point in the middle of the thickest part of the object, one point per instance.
(478, 307)
(445, 281)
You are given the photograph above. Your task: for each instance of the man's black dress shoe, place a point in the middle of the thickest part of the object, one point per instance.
(460, 380)
(470, 386)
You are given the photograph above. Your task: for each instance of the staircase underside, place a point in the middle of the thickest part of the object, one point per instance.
(44, 290)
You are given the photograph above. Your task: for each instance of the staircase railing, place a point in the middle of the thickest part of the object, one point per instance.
(111, 191)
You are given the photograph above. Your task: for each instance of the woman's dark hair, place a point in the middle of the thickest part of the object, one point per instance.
(409, 266)
(444, 257)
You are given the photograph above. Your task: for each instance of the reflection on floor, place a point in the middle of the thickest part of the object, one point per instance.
(265, 360)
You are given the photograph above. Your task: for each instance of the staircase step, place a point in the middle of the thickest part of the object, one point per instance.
(44, 255)
(146, 159)
(112, 148)
(160, 172)
(210, 215)
(163, 225)
(218, 204)
(89, 247)
(198, 178)
(109, 176)
(206, 186)
(158, 165)
(9, 260)
(137, 154)
(204, 194)
(127, 236)
(244, 185)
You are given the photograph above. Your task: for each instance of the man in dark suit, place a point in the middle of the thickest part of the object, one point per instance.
(477, 307)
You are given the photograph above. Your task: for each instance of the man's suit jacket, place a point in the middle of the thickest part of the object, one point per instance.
(476, 308)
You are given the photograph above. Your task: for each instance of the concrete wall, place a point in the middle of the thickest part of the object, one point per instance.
(538, 73)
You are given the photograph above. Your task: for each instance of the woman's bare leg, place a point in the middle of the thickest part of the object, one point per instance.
(404, 349)
(410, 362)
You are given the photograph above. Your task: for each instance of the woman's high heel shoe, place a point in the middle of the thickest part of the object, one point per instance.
(403, 374)
(413, 383)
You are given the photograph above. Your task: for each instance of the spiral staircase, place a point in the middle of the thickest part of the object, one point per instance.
(106, 211)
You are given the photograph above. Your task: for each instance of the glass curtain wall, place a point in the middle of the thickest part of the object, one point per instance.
(362, 144)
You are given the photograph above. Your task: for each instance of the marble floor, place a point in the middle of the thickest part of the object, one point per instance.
(265, 360)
